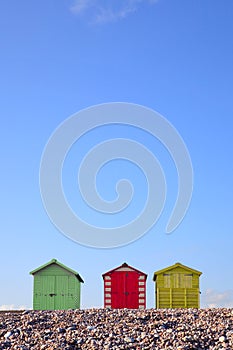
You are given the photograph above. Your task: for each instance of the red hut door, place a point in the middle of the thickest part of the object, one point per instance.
(124, 290)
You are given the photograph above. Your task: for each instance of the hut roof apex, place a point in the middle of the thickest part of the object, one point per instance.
(124, 265)
(55, 261)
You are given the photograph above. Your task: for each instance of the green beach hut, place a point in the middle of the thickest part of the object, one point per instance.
(56, 287)
(177, 286)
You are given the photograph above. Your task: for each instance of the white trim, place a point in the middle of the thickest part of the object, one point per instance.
(124, 269)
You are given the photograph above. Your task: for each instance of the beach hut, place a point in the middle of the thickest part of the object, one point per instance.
(177, 286)
(125, 287)
(56, 287)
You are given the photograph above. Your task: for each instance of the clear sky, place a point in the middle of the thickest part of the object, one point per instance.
(58, 57)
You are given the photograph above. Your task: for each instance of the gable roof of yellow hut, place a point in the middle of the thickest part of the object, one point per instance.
(178, 264)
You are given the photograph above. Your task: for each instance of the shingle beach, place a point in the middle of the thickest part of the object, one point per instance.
(185, 329)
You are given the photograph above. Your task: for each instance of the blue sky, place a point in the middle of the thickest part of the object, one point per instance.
(58, 57)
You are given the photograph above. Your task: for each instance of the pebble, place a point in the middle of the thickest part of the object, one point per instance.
(129, 340)
(222, 339)
(7, 335)
(97, 329)
(60, 330)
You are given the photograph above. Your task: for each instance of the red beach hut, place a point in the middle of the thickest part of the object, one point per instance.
(125, 287)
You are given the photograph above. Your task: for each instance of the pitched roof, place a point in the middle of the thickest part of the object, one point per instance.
(55, 261)
(174, 266)
(122, 266)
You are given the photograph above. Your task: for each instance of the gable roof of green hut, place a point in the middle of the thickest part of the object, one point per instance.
(55, 261)
(173, 267)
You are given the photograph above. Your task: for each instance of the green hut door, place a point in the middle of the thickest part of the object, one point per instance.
(52, 292)
(46, 292)
(61, 295)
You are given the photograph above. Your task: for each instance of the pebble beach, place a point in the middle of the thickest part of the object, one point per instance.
(209, 329)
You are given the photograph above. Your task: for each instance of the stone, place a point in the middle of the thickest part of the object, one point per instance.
(222, 339)
(122, 329)
(8, 334)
